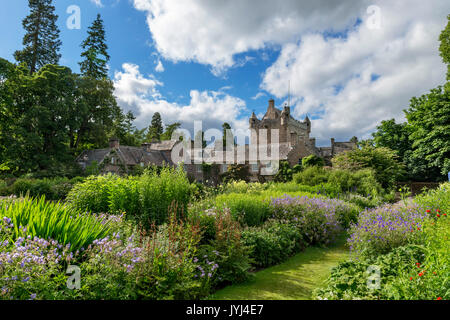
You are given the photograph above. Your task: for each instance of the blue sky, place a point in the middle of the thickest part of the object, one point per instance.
(129, 41)
(350, 65)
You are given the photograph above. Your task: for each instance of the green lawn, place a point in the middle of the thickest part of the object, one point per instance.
(295, 279)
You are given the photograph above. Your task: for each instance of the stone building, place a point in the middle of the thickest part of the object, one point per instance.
(295, 143)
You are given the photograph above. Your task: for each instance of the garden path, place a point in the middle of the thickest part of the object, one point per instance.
(294, 279)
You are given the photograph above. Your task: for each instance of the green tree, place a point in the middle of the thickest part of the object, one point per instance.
(394, 136)
(95, 52)
(226, 126)
(429, 117)
(41, 41)
(96, 116)
(444, 48)
(37, 114)
(384, 161)
(155, 130)
(170, 129)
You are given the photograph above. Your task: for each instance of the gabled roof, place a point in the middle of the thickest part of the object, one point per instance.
(163, 145)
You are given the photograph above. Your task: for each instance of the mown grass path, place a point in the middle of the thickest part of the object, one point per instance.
(294, 279)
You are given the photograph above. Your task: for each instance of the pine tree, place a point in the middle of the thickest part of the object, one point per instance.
(41, 39)
(95, 52)
(156, 128)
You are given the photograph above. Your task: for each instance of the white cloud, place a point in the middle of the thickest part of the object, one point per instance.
(258, 95)
(211, 32)
(331, 78)
(159, 67)
(352, 84)
(98, 3)
(140, 94)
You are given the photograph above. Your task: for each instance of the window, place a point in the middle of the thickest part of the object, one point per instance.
(255, 167)
(113, 160)
(142, 164)
(199, 168)
(224, 168)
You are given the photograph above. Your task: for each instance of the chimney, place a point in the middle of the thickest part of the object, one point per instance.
(114, 143)
(146, 146)
(332, 147)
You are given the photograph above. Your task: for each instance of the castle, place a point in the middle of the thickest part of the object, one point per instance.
(294, 136)
(295, 143)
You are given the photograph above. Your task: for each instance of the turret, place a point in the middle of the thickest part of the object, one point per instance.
(253, 120)
(308, 124)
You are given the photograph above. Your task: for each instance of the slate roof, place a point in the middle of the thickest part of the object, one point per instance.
(131, 155)
(163, 145)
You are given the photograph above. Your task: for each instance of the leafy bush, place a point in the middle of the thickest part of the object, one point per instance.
(146, 198)
(41, 219)
(312, 176)
(236, 172)
(232, 253)
(272, 243)
(380, 230)
(348, 281)
(315, 218)
(383, 161)
(435, 199)
(252, 211)
(361, 181)
(244, 187)
(52, 189)
(313, 161)
(285, 172)
(32, 268)
(327, 189)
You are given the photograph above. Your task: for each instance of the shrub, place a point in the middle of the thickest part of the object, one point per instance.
(52, 189)
(146, 199)
(313, 161)
(93, 194)
(383, 161)
(252, 211)
(244, 187)
(157, 192)
(361, 181)
(32, 268)
(232, 253)
(380, 230)
(315, 218)
(348, 281)
(272, 243)
(41, 219)
(435, 199)
(236, 172)
(327, 189)
(311, 176)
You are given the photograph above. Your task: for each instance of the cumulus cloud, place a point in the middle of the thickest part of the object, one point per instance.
(352, 83)
(211, 32)
(347, 76)
(159, 67)
(140, 94)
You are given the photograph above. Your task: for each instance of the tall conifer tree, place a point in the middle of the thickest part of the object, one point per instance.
(41, 40)
(95, 52)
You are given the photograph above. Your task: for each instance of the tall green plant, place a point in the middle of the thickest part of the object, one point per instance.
(49, 220)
